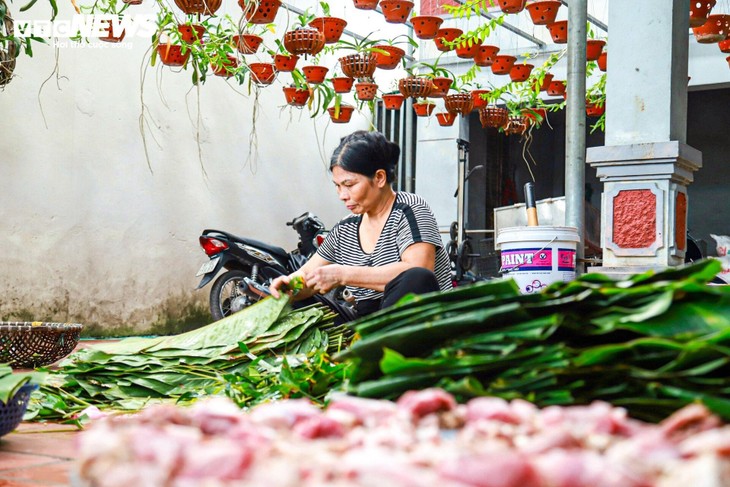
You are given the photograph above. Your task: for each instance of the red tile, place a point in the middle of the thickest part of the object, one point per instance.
(47, 474)
(19, 460)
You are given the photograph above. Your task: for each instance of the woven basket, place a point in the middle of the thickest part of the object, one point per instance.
(11, 414)
(35, 344)
(10, 51)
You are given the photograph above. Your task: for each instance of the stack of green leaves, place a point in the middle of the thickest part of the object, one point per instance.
(652, 343)
(243, 355)
(10, 382)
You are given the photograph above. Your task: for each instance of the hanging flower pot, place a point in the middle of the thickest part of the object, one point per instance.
(396, 11)
(448, 34)
(699, 10)
(502, 64)
(724, 46)
(512, 6)
(358, 65)
(259, 11)
(315, 74)
(477, 98)
(172, 55)
(714, 30)
(441, 86)
(467, 50)
(191, 32)
(603, 61)
(366, 4)
(305, 40)
(247, 43)
(366, 91)
(262, 73)
(520, 72)
(415, 87)
(459, 103)
(594, 48)
(728, 60)
(556, 88)
(534, 116)
(132, 2)
(543, 12)
(593, 110)
(343, 115)
(285, 63)
(389, 59)
(112, 36)
(226, 68)
(424, 108)
(426, 26)
(204, 7)
(393, 101)
(491, 116)
(559, 31)
(342, 84)
(516, 125)
(331, 27)
(296, 97)
(446, 119)
(485, 55)
(545, 82)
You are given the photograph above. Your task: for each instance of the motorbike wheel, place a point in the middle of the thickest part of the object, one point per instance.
(227, 295)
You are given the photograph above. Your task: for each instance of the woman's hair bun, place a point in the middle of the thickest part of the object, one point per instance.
(365, 152)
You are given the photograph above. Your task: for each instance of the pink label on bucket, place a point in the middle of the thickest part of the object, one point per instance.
(527, 259)
(566, 260)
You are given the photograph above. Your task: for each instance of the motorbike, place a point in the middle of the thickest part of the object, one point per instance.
(250, 265)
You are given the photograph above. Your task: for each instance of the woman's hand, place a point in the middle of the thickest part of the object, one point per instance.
(281, 284)
(324, 279)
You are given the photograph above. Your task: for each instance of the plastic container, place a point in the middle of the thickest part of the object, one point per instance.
(536, 257)
(11, 414)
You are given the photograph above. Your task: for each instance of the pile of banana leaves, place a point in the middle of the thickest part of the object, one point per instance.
(651, 344)
(264, 352)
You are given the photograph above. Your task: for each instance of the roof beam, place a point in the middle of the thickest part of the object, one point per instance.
(601, 25)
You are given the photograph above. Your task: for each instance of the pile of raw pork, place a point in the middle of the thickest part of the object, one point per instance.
(423, 439)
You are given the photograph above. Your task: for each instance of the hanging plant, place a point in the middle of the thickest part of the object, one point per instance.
(445, 37)
(9, 47)
(388, 57)
(516, 125)
(426, 26)
(479, 98)
(459, 103)
(191, 33)
(502, 63)
(393, 101)
(512, 6)
(259, 11)
(559, 31)
(493, 116)
(262, 73)
(520, 72)
(543, 12)
(295, 96)
(225, 67)
(415, 86)
(365, 4)
(594, 48)
(172, 54)
(315, 74)
(603, 61)
(366, 89)
(396, 11)
(358, 65)
(446, 119)
(304, 39)
(467, 48)
(715, 29)
(331, 27)
(485, 55)
(198, 7)
(247, 43)
(424, 108)
(556, 88)
(341, 113)
(699, 10)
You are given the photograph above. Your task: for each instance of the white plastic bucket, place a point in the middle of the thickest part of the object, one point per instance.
(537, 256)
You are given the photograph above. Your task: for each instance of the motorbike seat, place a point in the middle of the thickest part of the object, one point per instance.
(277, 252)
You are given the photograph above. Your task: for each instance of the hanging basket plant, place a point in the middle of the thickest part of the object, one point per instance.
(172, 54)
(534, 116)
(594, 110)
(426, 26)
(393, 101)
(341, 113)
(520, 72)
(112, 36)
(716, 29)
(556, 88)
(543, 12)
(516, 125)
(424, 108)
(443, 36)
(724, 46)
(359, 65)
(559, 31)
(331, 27)
(285, 62)
(396, 11)
(478, 98)
(201, 7)
(603, 61)
(342, 84)
(225, 68)
(512, 6)
(191, 33)
(262, 73)
(699, 10)
(296, 97)
(366, 90)
(247, 43)
(315, 74)
(502, 63)
(594, 48)
(468, 49)
(492, 116)
(545, 84)
(459, 103)
(305, 40)
(365, 4)
(485, 55)
(441, 84)
(259, 11)
(415, 87)
(446, 119)
(8, 49)
(390, 59)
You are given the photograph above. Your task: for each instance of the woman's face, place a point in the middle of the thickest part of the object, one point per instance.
(358, 192)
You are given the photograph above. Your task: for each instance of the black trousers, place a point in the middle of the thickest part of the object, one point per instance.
(416, 280)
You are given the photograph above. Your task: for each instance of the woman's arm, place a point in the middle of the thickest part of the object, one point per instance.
(314, 262)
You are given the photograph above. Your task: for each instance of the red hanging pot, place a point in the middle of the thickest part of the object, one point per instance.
(603, 61)
(502, 64)
(366, 91)
(423, 109)
(485, 55)
(491, 116)
(262, 73)
(476, 96)
(556, 88)
(441, 86)
(699, 10)
(172, 55)
(594, 48)
(331, 27)
(447, 34)
(285, 63)
(512, 6)
(296, 97)
(315, 74)
(515, 126)
(343, 116)
(112, 36)
(459, 103)
(559, 31)
(389, 59)
(226, 68)
(396, 11)
(204, 7)
(728, 60)
(446, 119)
(593, 110)
(259, 11)
(426, 26)
(393, 101)
(305, 40)
(366, 4)
(520, 72)
(466, 51)
(543, 12)
(191, 32)
(714, 30)
(247, 43)
(415, 87)
(545, 82)
(358, 65)
(534, 116)
(724, 46)
(342, 84)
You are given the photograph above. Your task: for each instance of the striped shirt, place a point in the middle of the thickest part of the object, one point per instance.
(410, 221)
